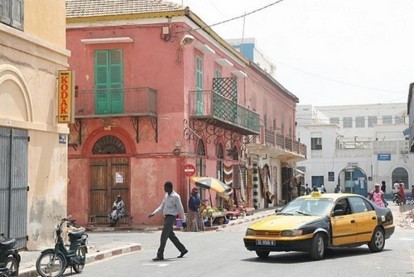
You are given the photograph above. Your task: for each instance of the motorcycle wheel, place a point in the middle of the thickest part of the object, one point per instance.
(80, 259)
(12, 266)
(50, 265)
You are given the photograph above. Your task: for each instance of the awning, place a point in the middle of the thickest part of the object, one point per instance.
(299, 173)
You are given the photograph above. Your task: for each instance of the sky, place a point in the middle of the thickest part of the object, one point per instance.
(326, 52)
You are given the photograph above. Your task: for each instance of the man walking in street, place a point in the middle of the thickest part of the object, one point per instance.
(171, 206)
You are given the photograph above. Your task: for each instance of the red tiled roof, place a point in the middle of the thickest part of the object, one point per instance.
(93, 8)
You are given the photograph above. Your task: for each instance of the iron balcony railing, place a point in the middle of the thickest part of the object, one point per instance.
(208, 104)
(139, 101)
(278, 140)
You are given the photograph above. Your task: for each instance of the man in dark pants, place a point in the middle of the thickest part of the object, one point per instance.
(383, 187)
(171, 206)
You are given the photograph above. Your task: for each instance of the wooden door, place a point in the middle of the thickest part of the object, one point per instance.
(110, 177)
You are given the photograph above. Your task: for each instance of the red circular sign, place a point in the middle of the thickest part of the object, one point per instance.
(189, 170)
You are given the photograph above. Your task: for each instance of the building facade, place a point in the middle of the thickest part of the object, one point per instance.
(33, 147)
(355, 146)
(158, 90)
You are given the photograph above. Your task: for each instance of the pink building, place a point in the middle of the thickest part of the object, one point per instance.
(156, 90)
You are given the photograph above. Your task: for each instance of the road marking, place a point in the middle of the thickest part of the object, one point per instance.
(158, 264)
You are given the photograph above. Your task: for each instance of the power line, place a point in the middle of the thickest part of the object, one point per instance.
(241, 16)
(233, 18)
(337, 81)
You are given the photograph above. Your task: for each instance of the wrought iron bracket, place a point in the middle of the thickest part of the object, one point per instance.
(77, 127)
(135, 125)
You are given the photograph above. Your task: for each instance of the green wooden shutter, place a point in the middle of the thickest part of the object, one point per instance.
(109, 94)
(199, 85)
(102, 103)
(116, 78)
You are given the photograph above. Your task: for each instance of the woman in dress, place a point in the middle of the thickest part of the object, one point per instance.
(377, 196)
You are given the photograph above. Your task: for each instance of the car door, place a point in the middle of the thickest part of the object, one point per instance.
(365, 218)
(344, 229)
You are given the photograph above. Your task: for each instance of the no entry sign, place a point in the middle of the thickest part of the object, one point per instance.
(189, 170)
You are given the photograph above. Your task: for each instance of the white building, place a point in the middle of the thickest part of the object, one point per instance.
(355, 146)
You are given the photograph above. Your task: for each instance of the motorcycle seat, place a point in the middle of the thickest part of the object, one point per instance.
(8, 243)
(76, 234)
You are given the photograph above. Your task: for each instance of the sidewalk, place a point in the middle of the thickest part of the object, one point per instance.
(100, 248)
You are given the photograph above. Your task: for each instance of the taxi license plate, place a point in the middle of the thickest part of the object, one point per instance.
(266, 242)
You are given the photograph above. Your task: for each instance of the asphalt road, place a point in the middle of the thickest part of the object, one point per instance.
(222, 253)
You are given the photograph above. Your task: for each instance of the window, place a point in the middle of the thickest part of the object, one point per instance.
(399, 120)
(11, 13)
(387, 119)
(360, 121)
(347, 122)
(316, 143)
(331, 176)
(199, 84)
(334, 120)
(109, 94)
(372, 120)
(358, 205)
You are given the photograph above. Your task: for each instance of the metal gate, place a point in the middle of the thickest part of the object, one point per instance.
(110, 177)
(13, 184)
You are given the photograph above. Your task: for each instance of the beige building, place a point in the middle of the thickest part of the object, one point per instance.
(33, 146)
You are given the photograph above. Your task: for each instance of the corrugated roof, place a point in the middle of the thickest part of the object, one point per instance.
(93, 8)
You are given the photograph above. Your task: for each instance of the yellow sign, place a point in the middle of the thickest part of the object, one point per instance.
(65, 96)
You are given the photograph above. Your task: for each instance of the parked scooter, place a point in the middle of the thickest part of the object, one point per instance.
(54, 261)
(396, 198)
(9, 257)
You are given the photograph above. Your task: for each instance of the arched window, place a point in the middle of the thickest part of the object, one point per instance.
(201, 155)
(235, 153)
(108, 145)
(400, 173)
(220, 157)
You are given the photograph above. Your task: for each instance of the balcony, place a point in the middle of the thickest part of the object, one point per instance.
(140, 101)
(278, 145)
(223, 112)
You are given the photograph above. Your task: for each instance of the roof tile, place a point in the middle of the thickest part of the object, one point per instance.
(92, 8)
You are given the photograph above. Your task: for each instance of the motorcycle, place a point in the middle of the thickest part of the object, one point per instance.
(396, 198)
(54, 261)
(9, 257)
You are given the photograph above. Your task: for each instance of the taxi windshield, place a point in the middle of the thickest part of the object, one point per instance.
(308, 207)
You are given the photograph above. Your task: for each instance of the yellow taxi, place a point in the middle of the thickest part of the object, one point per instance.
(315, 222)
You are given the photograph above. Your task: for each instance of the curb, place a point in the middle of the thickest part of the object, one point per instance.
(98, 256)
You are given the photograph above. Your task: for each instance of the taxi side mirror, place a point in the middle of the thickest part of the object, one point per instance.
(278, 210)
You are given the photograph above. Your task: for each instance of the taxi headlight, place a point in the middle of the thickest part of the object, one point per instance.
(291, 233)
(250, 232)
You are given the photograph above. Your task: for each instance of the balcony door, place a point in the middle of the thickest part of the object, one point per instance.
(199, 85)
(109, 82)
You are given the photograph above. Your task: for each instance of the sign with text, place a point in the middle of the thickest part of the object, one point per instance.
(384, 157)
(65, 96)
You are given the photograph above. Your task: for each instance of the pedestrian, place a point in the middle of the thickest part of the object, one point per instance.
(377, 196)
(194, 219)
(118, 211)
(338, 189)
(171, 206)
(412, 194)
(307, 189)
(383, 187)
(323, 189)
(401, 193)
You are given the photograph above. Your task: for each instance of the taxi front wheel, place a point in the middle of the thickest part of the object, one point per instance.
(377, 242)
(262, 254)
(318, 247)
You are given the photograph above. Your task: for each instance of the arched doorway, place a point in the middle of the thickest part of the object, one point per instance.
(109, 176)
(353, 179)
(398, 174)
